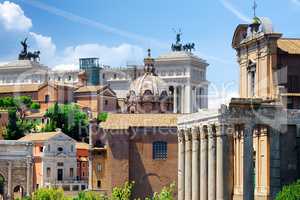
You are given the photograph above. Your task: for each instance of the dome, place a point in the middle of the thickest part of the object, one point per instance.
(148, 82)
(149, 93)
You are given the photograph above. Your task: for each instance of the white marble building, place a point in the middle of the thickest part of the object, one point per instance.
(184, 73)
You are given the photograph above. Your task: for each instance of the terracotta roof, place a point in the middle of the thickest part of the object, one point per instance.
(82, 145)
(39, 136)
(124, 121)
(291, 46)
(19, 88)
(56, 85)
(91, 88)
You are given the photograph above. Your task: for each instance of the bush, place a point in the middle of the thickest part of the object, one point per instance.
(290, 192)
(49, 194)
(102, 117)
(35, 106)
(119, 193)
(122, 193)
(90, 196)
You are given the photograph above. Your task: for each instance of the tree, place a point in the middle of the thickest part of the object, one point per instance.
(69, 118)
(290, 192)
(17, 127)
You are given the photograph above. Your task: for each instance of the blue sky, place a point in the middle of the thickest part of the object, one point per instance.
(119, 31)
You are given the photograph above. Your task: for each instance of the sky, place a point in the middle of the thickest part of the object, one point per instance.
(120, 32)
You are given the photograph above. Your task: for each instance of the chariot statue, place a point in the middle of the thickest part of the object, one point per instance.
(25, 55)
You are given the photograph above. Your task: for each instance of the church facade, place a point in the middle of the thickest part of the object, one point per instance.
(240, 151)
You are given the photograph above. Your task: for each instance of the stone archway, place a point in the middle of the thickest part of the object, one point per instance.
(2, 183)
(18, 192)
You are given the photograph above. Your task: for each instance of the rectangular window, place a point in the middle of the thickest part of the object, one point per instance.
(71, 172)
(48, 172)
(99, 167)
(99, 184)
(60, 164)
(160, 150)
(41, 149)
(252, 83)
(47, 98)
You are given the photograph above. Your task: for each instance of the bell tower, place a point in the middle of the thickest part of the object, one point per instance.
(256, 48)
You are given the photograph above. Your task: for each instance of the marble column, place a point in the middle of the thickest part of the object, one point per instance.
(188, 165)
(183, 99)
(92, 126)
(248, 185)
(211, 163)
(175, 100)
(220, 133)
(28, 176)
(195, 163)
(203, 163)
(9, 185)
(181, 161)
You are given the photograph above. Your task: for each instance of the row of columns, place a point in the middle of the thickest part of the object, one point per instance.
(188, 99)
(201, 163)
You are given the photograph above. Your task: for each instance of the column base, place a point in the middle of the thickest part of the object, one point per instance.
(256, 197)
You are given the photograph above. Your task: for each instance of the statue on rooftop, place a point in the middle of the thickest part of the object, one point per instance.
(178, 46)
(25, 55)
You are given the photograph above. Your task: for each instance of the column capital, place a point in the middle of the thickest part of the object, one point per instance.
(180, 135)
(248, 129)
(187, 134)
(203, 132)
(195, 133)
(211, 130)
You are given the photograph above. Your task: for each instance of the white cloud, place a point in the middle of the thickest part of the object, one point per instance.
(235, 11)
(215, 101)
(12, 17)
(45, 45)
(113, 56)
(297, 2)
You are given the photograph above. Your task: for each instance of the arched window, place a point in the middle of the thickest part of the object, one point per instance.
(160, 150)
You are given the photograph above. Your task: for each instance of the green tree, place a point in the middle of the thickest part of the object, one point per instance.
(17, 127)
(290, 192)
(69, 118)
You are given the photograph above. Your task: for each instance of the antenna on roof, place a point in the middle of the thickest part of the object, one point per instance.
(254, 7)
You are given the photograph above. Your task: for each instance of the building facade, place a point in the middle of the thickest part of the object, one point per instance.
(16, 169)
(240, 151)
(135, 147)
(268, 63)
(55, 161)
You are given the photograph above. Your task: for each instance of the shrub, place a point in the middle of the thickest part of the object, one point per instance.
(48, 194)
(90, 196)
(290, 192)
(102, 117)
(165, 194)
(35, 106)
(122, 193)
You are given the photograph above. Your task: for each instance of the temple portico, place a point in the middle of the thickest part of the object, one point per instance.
(235, 152)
